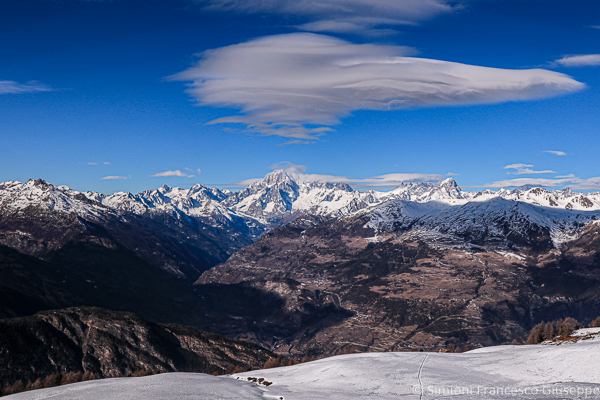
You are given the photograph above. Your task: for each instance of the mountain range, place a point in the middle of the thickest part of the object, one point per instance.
(277, 199)
(308, 267)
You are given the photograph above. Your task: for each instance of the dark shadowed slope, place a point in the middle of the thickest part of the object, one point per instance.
(108, 343)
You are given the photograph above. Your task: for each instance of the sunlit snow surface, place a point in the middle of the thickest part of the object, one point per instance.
(567, 371)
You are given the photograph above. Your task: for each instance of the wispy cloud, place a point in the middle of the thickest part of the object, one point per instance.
(585, 60)
(298, 85)
(393, 180)
(556, 153)
(12, 87)
(244, 182)
(115, 177)
(561, 181)
(284, 129)
(588, 184)
(298, 173)
(92, 163)
(342, 16)
(355, 26)
(565, 176)
(106, 163)
(177, 172)
(452, 174)
(521, 169)
(509, 183)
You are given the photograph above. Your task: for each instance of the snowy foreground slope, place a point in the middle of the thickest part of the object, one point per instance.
(566, 371)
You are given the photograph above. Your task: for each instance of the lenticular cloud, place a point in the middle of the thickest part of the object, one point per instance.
(350, 16)
(283, 83)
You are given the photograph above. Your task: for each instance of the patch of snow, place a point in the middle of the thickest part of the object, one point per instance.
(587, 334)
(511, 256)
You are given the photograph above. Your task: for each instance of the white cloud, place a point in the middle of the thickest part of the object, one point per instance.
(12, 87)
(297, 172)
(530, 181)
(525, 169)
(297, 85)
(344, 27)
(289, 167)
(106, 163)
(588, 184)
(92, 163)
(114, 177)
(394, 180)
(342, 16)
(283, 129)
(245, 182)
(172, 173)
(585, 60)
(556, 153)
(452, 174)
(565, 176)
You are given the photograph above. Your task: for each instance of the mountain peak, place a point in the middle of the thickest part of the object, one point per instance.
(37, 182)
(444, 190)
(448, 182)
(277, 176)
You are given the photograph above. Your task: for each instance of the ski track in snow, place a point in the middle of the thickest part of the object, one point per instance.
(422, 391)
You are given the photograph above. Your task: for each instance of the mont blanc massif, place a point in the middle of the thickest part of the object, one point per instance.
(284, 268)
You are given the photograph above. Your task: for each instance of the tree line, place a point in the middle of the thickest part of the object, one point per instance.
(559, 328)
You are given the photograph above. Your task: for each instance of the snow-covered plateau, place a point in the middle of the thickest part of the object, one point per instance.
(566, 371)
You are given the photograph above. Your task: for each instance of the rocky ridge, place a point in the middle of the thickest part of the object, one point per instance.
(108, 344)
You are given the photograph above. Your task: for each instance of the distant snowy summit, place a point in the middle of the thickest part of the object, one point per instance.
(272, 201)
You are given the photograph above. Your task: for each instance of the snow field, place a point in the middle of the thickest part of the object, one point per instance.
(568, 371)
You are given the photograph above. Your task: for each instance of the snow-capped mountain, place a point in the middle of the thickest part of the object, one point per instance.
(565, 198)
(16, 196)
(496, 222)
(38, 219)
(199, 202)
(503, 221)
(279, 199)
(445, 191)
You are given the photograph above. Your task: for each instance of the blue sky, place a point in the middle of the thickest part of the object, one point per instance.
(102, 95)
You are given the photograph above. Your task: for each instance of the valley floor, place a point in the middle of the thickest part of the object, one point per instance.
(566, 371)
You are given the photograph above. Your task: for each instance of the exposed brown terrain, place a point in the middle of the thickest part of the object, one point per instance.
(400, 292)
